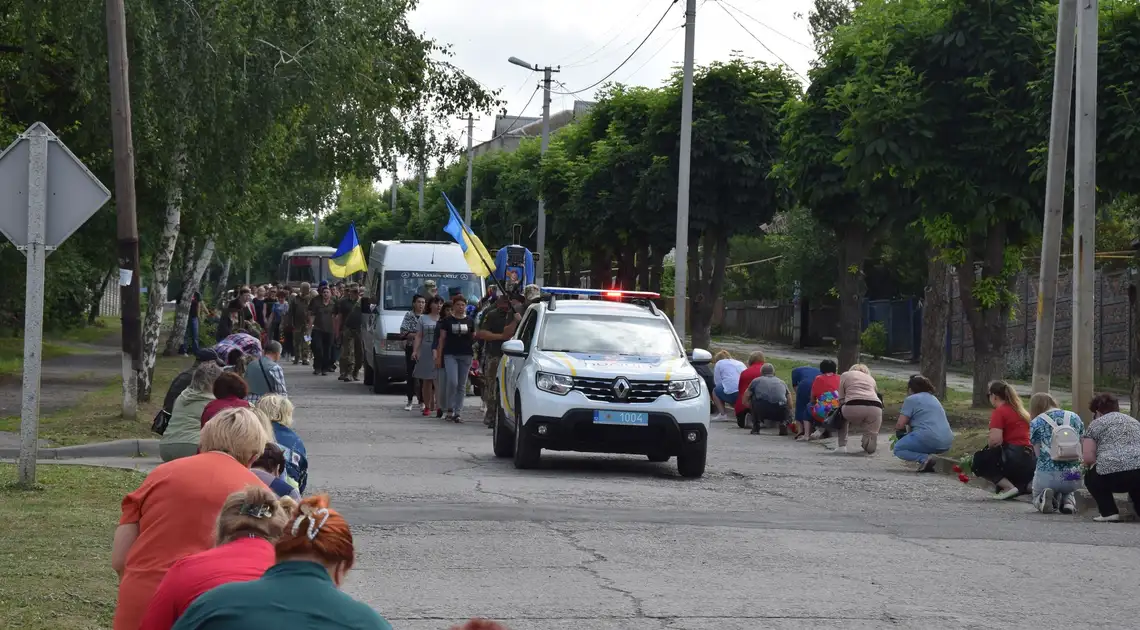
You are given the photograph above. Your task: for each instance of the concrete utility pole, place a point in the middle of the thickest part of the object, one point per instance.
(421, 187)
(470, 160)
(1055, 194)
(127, 229)
(395, 183)
(316, 228)
(540, 245)
(681, 254)
(1084, 220)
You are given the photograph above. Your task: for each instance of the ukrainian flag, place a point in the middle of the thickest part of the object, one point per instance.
(478, 258)
(349, 257)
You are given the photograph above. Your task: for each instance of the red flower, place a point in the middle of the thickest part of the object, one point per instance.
(957, 468)
(963, 478)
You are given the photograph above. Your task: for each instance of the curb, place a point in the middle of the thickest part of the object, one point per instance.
(117, 448)
(1086, 506)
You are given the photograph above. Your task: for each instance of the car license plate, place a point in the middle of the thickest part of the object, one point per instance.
(622, 418)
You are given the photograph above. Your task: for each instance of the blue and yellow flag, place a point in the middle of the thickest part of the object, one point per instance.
(349, 257)
(478, 258)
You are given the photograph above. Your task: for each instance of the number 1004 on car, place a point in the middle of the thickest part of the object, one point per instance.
(622, 418)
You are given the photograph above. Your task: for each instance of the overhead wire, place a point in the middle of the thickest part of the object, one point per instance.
(581, 62)
(511, 127)
(626, 60)
(759, 41)
(774, 30)
(676, 31)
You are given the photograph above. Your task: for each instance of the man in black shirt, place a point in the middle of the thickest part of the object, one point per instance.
(322, 315)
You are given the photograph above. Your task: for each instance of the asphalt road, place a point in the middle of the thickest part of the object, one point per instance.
(776, 535)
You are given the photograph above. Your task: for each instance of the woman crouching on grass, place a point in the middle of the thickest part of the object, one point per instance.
(249, 524)
(302, 590)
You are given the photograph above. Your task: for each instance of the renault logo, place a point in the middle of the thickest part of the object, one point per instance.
(621, 388)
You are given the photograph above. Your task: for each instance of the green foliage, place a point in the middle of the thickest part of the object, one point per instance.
(874, 339)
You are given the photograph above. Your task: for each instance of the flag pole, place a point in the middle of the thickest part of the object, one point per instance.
(467, 231)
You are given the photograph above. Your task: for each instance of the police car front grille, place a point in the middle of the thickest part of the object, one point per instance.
(602, 390)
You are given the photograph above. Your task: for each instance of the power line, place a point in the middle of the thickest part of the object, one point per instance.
(511, 127)
(776, 31)
(581, 61)
(676, 31)
(758, 41)
(622, 64)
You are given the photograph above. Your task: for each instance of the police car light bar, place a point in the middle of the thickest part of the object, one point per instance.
(606, 293)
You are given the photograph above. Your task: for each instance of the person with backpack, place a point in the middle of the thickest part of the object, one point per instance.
(1056, 438)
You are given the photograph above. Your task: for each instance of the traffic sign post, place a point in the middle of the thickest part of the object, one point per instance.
(45, 195)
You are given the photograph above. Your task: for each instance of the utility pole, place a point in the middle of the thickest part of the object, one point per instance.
(316, 230)
(421, 186)
(1084, 220)
(247, 273)
(681, 254)
(1057, 172)
(395, 183)
(540, 245)
(470, 160)
(127, 229)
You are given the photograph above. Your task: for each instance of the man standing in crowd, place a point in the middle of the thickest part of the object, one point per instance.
(265, 375)
(430, 289)
(497, 326)
(322, 312)
(299, 318)
(351, 344)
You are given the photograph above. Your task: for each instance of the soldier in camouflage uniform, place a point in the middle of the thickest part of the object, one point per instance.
(497, 326)
(299, 316)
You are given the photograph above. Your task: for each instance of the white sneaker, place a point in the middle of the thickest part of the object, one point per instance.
(1068, 503)
(408, 407)
(1045, 502)
(815, 435)
(717, 417)
(839, 450)
(1111, 518)
(1006, 494)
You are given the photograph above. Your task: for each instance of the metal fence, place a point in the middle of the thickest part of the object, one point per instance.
(903, 321)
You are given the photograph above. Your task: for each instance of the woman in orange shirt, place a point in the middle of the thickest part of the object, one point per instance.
(172, 514)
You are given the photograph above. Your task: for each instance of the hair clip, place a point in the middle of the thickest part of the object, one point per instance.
(255, 510)
(314, 525)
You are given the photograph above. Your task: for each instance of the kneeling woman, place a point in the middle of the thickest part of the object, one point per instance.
(1007, 460)
(302, 590)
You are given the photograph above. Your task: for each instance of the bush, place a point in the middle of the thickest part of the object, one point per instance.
(874, 339)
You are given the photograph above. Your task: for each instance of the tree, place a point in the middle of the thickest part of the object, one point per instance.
(736, 140)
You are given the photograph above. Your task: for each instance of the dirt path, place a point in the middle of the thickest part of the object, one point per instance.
(64, 381)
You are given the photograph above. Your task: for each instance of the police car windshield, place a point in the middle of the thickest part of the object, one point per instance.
(401, 286)
(608, 334)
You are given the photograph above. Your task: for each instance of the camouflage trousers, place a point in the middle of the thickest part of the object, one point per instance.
(301, 350)
(490, 367)
(351, 352)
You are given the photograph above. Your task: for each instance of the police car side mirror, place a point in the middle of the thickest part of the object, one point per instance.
(700, 357)
(514, 348)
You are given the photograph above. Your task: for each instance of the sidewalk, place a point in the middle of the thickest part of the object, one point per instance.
(899, 371)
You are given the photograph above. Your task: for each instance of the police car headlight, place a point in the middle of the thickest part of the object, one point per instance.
(554, 383)
(685, 390)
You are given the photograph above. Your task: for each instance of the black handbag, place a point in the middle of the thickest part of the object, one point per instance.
(835, 420)
(161, 421)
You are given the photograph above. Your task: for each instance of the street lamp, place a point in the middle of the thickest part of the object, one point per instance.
(540, 246)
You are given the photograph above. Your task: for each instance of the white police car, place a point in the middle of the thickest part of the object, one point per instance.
(600, 376)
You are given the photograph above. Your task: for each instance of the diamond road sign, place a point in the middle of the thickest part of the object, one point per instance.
(73, 193)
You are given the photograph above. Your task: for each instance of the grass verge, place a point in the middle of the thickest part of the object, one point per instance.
(55, 559)
(55, 344)
(98, 417)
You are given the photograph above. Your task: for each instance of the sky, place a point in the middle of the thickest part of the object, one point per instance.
(591, 38)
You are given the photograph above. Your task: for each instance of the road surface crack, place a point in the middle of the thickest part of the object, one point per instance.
(596, 557)
(479, 489)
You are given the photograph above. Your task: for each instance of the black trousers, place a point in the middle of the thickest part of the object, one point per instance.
(1015, 463)
(763, 411)
(1102, 487)
(322, 351)
(413, 382)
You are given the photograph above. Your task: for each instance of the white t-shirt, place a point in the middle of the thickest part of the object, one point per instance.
(726, 373)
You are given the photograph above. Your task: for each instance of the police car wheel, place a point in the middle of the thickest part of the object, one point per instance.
(502, 440)
(526, 454)
(691, 464)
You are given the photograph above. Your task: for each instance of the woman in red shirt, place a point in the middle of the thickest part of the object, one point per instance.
(230, 391)
(750, 373)
(248, 526)
(1008, 459)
